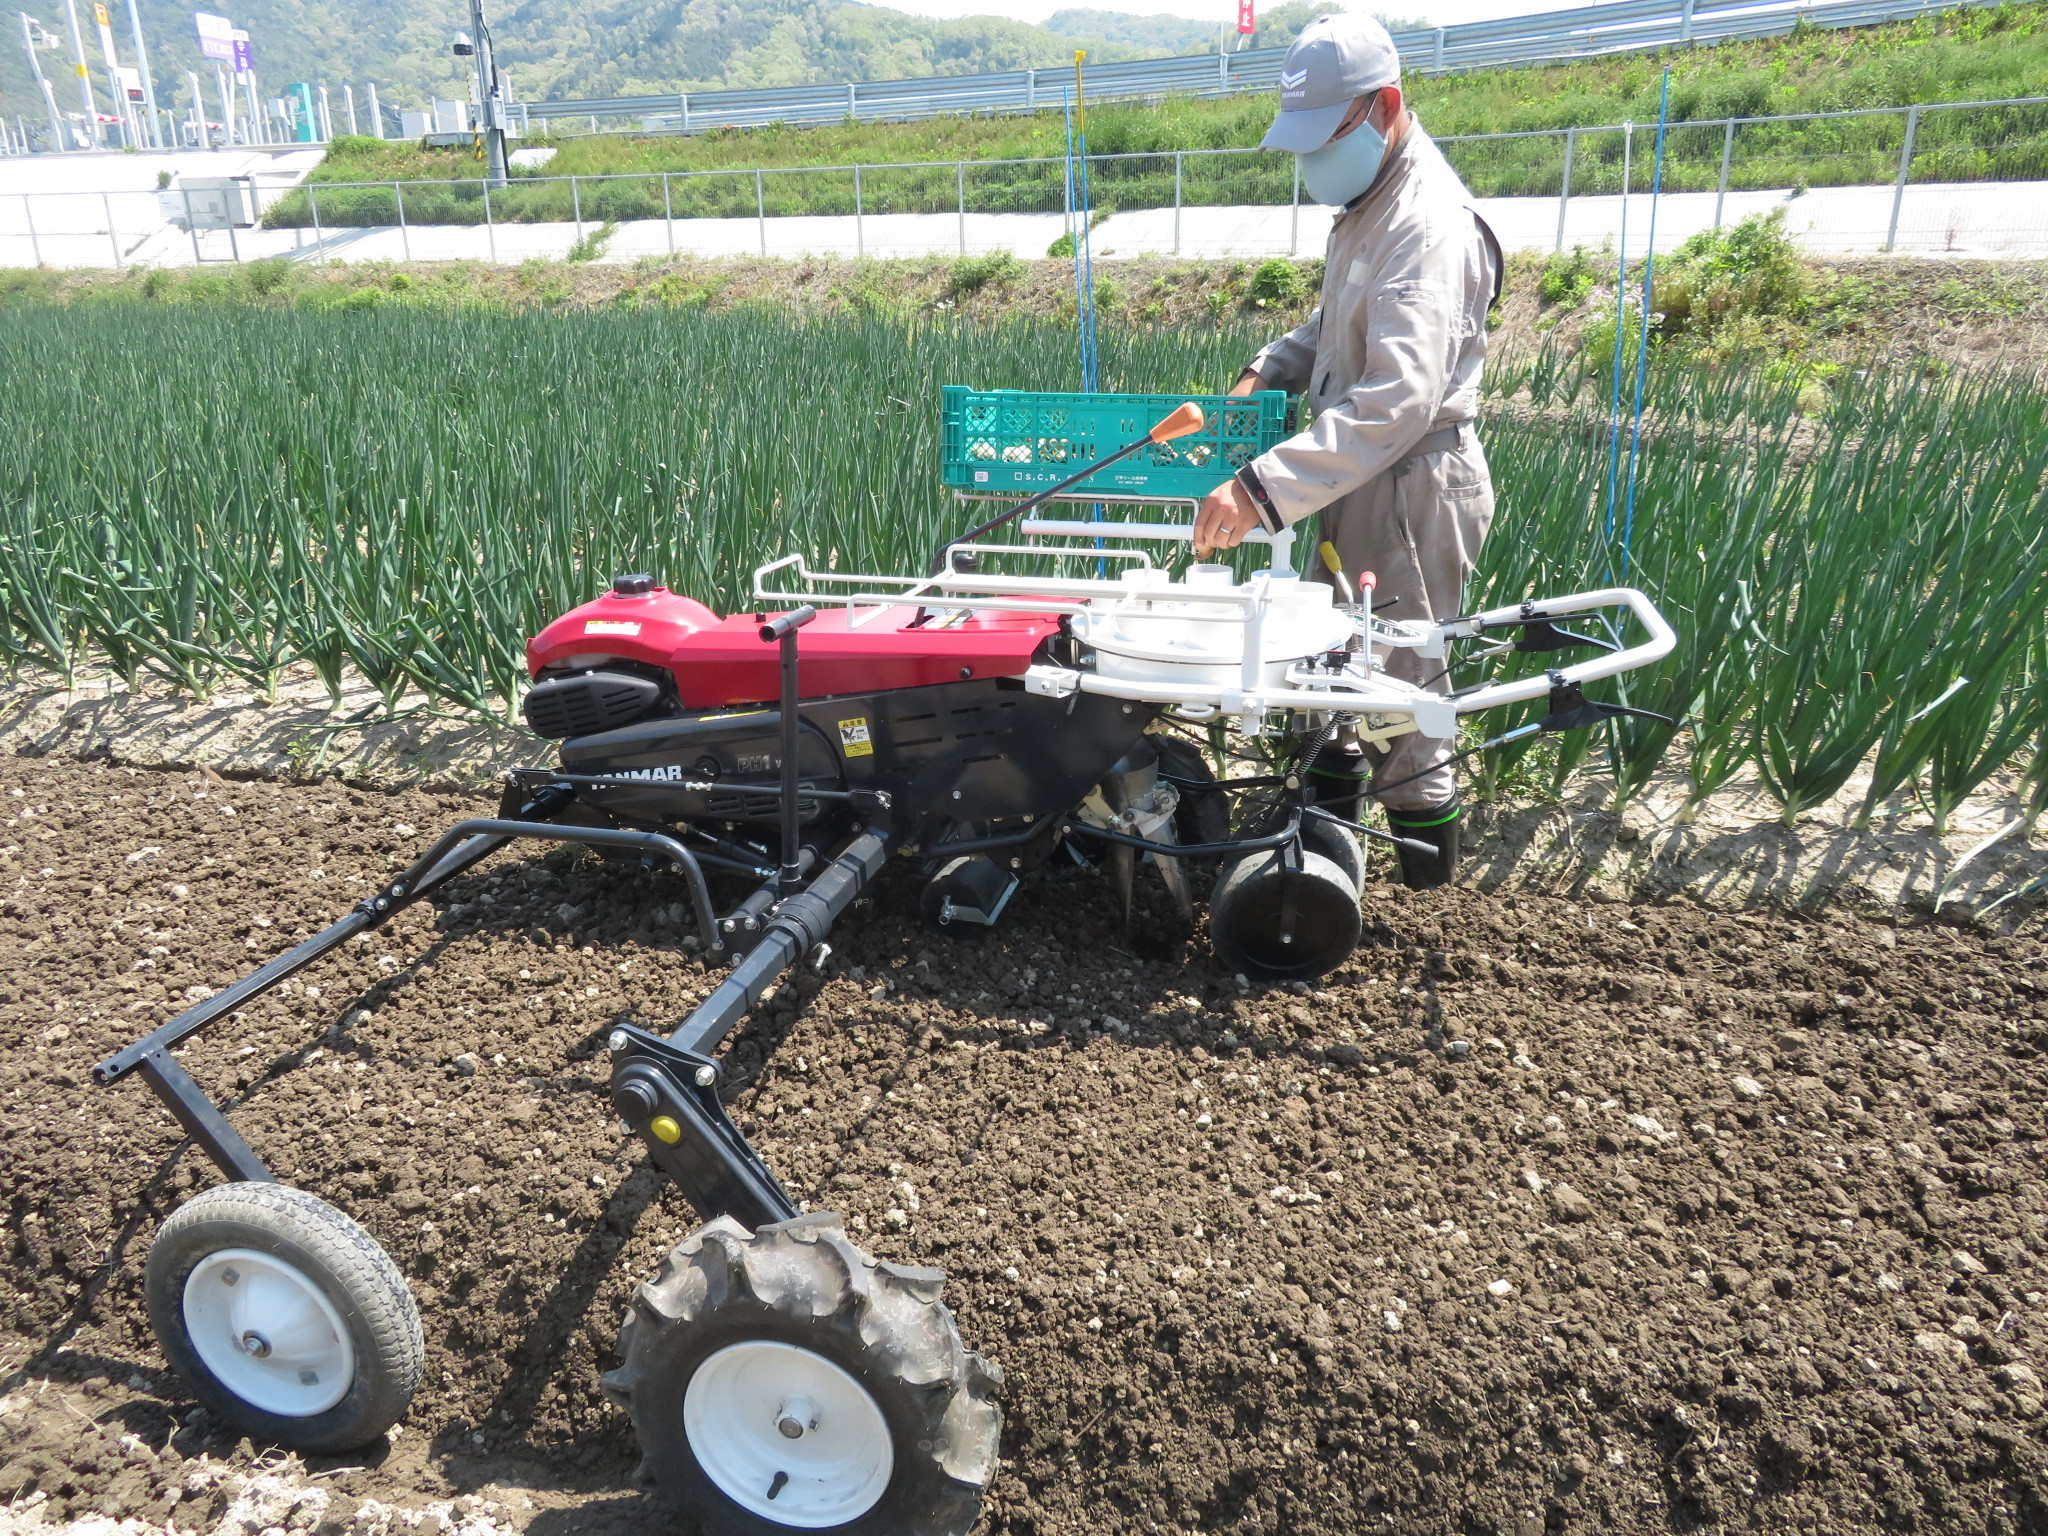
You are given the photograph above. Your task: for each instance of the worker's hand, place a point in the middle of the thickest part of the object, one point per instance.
(1245, 385)
(1227, 515)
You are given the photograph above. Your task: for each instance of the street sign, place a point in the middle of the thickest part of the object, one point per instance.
(105, 23)
(245, 56)
(1246, 25)
(216, 37)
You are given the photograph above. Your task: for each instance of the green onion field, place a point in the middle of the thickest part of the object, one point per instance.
(200, 498)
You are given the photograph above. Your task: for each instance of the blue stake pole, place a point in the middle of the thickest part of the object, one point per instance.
(1628, 138)
(1635, 431)
(1084, 267)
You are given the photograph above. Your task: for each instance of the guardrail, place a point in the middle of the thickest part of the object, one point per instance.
(1893, 178)
(1583, 32)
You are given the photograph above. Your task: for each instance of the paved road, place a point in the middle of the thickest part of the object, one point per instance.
(1972, 219)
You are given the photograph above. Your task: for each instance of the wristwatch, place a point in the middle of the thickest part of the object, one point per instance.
(1262, 503)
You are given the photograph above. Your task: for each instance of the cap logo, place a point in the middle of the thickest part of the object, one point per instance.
(1294, 81)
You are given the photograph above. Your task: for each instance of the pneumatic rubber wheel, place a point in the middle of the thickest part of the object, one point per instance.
(1276, 924)
(782, 1380)
(285, 1317)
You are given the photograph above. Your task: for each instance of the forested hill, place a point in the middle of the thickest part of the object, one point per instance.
(578, 48)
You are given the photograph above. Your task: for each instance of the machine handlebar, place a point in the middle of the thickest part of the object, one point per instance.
(784, 625)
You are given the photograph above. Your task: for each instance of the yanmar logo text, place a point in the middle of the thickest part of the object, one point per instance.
(671, 774)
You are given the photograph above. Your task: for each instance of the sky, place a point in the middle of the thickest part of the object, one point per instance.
(1443, 12)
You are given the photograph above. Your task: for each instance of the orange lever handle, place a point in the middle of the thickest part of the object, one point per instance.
(1186, 418)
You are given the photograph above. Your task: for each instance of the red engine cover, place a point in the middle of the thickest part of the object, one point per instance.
(725, 661)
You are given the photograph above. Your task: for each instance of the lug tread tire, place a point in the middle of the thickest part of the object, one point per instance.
(1200, 818)
(803, 1282)
(354, 1273)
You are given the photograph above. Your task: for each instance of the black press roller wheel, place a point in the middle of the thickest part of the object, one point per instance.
(286, 1318)
(1280, 924)
(782, 1380)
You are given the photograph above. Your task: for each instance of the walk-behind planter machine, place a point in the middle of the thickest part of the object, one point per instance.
(1014, 703)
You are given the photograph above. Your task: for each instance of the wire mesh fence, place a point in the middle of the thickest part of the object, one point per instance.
(1935, 178)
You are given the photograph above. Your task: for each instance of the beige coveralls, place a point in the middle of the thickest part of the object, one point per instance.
(1391, 356)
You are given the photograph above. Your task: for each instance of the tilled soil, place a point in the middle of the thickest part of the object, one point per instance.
(1538, 1216)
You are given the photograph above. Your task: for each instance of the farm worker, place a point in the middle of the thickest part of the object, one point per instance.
(1390, 363)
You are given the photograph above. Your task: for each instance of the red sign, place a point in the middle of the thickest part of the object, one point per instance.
(1245, 24)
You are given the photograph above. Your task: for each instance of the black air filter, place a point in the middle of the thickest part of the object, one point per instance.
(588, 702)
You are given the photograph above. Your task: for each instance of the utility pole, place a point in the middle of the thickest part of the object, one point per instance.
(490, 100)
(103, 23)
(32, 38)
(92, 111)
(227, 106)
(201, 139)
(142, 63)
(348, 96)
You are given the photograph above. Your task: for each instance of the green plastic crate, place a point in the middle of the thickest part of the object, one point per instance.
(1014, 442)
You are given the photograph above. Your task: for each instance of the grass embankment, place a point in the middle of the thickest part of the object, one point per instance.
(409, 493)
(1732, 298)
(1973, 54)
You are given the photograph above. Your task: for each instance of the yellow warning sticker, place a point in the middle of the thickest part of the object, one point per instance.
(854, 738)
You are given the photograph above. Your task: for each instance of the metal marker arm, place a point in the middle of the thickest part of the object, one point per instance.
(203, 1120)
(461, 847)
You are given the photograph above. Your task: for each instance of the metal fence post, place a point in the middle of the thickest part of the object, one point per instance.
(761, 211)
(313, 201)
(35, 245)
(852, 99)
(1031, 90)
(960, 171)
(668, 213)
(860, 245)
(1891, 235)
(1294, 214)
(191, 225)
(490, 225)
(576, 205)
(1222, 71)
(1177, 157)
(1564, 194)
(107, 202)
(1727, 158)
(1685, 22)
(404, 234)
(1437, 55)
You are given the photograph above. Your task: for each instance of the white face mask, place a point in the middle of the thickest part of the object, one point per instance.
(1343, 168)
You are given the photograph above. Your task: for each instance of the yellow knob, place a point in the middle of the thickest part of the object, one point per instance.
(666, 1129)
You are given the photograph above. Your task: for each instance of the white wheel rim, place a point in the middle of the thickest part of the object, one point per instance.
(787, 1435)
(267, 1333)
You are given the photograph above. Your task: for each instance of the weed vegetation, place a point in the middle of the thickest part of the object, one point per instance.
(1975, 54)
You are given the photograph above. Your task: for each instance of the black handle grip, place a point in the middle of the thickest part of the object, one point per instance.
(785, 624)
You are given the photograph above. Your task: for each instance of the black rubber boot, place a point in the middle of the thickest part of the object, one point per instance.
(1437, 826)
(1337, 777)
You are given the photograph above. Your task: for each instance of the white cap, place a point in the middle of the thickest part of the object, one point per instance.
(1336, 60)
